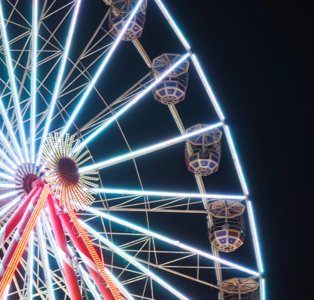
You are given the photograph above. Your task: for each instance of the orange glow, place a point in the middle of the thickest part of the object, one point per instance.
(9, 272)
(101, 266)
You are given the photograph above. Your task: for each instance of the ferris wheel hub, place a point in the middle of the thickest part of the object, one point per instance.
(25, 176)
(68, 171)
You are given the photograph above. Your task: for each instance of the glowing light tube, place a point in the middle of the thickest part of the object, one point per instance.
(89, 284)
(256, 244)
(131, 103)
(6, 177)
(9, 161)
(9, 147)
(167, 194)
(15, 97)
(7, 208)
(173, 24)
(172, 242)
(6, 168)
(146, 150)
(10, 131)
(45, 260)
(33, 79)
(101, 68)
(134, 262)
(60, 75)
(30, 266)
(7, 195)
(7, 185)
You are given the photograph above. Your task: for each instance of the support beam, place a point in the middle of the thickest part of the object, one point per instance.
(89, 256)
(17, 246)
(146, 150)
(65, 259)
(101, 68)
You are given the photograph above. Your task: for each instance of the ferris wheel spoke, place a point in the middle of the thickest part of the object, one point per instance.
(10, 131)
(8, 195)
(125, 108)
(101, 69)
(34, 79)
(168, 194)
(8, 147)
(7, 159)
(146, 150)
(172, 242)
(134, 262)
(13, 83)
(56, 90)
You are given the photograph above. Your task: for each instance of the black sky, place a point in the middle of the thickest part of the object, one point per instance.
(258, 57)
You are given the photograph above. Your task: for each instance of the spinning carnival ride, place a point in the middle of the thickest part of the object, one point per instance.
(66, 233)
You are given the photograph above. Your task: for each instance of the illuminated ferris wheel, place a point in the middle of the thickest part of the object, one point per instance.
(93, 127)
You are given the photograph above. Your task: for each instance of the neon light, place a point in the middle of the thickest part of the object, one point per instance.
(89, 284)
(263, 289)
(44, 257)
(6, 168)
(33, 80)
(7, 195)
(255, 237)
(9, 206)
(12, 82)
(10, 130)
(7, 185)
(131, 103)
(146, 150)
(120, 286)
(8, 147)
(172, 242)
(173, 25)
(6, 177)
(167, 194)
(208, 89)
(100, 69)
(134, 262)
(30, 266)
(57, 86)
(4, 156)
(236, 160)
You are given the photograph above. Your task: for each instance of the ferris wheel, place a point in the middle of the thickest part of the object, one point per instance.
(116, 162)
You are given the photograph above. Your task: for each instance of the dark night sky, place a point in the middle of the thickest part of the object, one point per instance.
(257, 55)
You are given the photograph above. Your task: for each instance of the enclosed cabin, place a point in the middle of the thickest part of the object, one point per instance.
(119, 12)
(226, 229)
(239, 289)
(172, 89)
(203, 151)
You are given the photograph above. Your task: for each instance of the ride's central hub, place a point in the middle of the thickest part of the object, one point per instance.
(68, 171)
(25, 176)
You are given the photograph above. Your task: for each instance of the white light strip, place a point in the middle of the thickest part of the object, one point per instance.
(10, 131)
(45, 260)
(9, 147)
(173, 24)
(255, 237)
(7, 185)
(30, 266)
(6, 168)
(9, 206)
(89, 284)
(121, 287)
(58, 83)
(207, 87)
(33, 80)
(167, 194)
(101, 68)
(262, 289)
(15, 97)
(134, 262)
(6, 177)
(146, 150)
(7, 159)
(236, 160)
(131, 103)
(172, 242)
